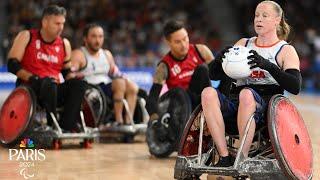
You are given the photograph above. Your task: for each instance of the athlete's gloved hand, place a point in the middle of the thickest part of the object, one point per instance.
(152, 106)
(38, 84)
(220, 56)
(215, 67)
(258, 61)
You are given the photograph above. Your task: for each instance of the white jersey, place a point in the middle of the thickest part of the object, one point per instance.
(261, 76)
(96, 70)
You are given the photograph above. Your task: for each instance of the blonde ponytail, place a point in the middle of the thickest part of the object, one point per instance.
(283, 29)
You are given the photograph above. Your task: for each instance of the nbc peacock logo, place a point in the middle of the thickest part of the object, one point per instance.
(27, 143)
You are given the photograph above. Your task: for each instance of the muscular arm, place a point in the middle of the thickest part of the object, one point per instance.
(114, 71)
(161, 74)
(205, 53)
(289, 58)
(67, 62)
(290, 77)
(78, 60)
(17, 51)
(159, 78)
(76, 63)
(68, 71)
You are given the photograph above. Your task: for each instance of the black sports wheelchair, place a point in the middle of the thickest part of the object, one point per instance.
(99, 114)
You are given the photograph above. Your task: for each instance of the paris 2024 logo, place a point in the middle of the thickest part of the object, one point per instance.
(27, 155)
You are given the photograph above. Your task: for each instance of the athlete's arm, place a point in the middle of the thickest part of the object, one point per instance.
(289, 58)
(159, 79)
(291, 78)
(78, 60)
(16, 54)
(114, 71)
(68, 71)
(67, 47)
(205, 53)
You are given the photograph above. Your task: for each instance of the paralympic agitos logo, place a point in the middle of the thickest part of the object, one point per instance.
(27, 155)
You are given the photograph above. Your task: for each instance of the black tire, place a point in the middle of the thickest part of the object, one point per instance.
(160, 151)
(163, 139)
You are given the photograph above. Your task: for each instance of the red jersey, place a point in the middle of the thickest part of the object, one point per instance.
(180, 71)
(43, 59)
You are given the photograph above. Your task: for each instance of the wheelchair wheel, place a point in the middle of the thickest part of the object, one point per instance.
(16, 115)
(163, 135)
(189, 141)
(289, 138)
(138, 112)
(94, 106)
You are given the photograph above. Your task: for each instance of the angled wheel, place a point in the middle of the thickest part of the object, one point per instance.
(163, 134)
(16, 115)
(189, 141)
(290, 139)
(94, 106)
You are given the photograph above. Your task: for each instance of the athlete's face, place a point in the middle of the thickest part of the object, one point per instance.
(94, 39)
(53, 25)
(266, 19)
(179, 43)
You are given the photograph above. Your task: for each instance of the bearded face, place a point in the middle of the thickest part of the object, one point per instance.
(94, 39)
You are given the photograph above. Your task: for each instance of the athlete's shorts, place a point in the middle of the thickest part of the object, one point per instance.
(229, 107)
(107, 89)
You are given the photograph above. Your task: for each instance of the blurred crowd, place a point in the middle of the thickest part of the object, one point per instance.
(305, 36)
(133, 27)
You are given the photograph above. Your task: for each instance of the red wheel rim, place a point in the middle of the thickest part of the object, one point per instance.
(290, 139)
(15, 115)
(88, 114)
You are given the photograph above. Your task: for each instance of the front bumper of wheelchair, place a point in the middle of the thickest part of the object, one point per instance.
(253, 168)
(125, 129)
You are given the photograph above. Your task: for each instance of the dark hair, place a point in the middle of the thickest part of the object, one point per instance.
(171, 27)
(54, 10)
(88, 27)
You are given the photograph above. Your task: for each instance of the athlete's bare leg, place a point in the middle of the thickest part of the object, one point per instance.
(118, 90)
(247, 107)
(213, 116)
(131, 96)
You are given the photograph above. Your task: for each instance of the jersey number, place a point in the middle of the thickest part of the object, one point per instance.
(175, 69)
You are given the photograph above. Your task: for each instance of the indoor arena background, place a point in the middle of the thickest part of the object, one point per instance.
(133, 34)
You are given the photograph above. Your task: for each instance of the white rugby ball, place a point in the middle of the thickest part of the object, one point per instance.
(235, 63)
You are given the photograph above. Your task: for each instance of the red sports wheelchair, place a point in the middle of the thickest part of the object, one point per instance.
(21, 116)
(282, 150)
